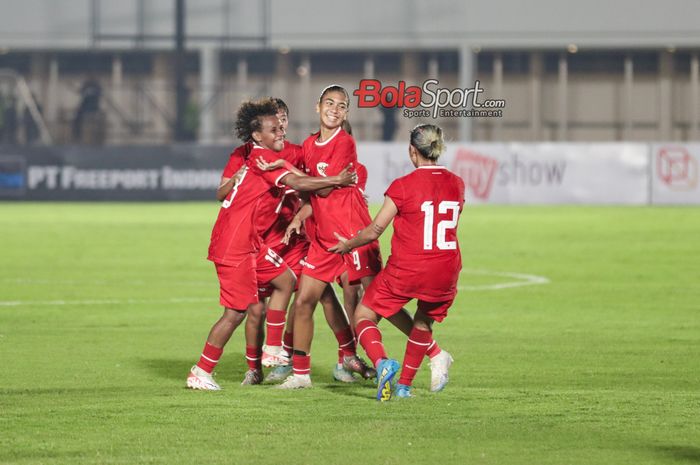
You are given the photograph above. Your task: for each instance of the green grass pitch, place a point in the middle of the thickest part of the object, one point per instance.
(104, 308)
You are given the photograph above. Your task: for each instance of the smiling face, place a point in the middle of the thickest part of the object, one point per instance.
(271, 134)
(333, 109)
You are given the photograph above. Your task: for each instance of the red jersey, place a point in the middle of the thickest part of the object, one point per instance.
(235, 233)
(287, 206)
(425, 252)
(271, 203)
(344, 210)
(361, 176)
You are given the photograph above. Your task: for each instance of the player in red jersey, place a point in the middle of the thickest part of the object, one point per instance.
(425, 262)
(235, 241)
(294, 249)
(277, 265)
(341, 209)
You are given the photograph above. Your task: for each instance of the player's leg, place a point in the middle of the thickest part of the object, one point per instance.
(308, 295)
(418, 341)
(351, 295)
(348, 361)
(254, 334)
(404, 322)
(200, 376)
(283, 287)
(238, 289)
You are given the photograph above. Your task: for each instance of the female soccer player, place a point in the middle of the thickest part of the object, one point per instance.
(425, 260)
(235, 241)
(326, 153)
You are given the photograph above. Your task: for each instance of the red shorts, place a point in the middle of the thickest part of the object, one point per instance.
(363, 261)
(381, 298)
(269, 265)
(294, 255)
(238, 284)
(327, 266)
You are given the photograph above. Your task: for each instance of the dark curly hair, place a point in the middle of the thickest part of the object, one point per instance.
(249, 117)
(281, 106)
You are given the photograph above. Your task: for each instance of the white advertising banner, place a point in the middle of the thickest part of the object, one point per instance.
(675, 173)
(549, 173)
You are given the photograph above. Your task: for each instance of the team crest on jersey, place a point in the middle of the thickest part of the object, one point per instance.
(322, 167)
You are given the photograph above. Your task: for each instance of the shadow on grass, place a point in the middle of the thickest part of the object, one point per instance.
(680, 453)
(177, 369)
(358, 389)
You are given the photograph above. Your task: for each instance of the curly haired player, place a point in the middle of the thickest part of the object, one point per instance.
(235, 242)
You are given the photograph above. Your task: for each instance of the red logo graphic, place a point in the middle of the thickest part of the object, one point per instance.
(477, 171)
(677, 168)
(371, 94)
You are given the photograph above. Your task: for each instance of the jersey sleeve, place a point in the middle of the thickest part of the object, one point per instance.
(235, 161)
(296, 156)
(271, 177)
(396, 193)
(361, 176)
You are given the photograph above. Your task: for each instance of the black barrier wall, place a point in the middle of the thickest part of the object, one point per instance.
(124, 173)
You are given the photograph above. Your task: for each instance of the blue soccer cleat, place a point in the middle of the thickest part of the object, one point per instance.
(402, 391)
(386, 371)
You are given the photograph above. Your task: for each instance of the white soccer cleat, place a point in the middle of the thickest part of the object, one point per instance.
(296, 382)
(279, 374)
(274, 356)
(439, 369)
(252, 377)
(342, 375)
(201, 380)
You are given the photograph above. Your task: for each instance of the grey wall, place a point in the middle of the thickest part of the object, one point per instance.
(358, 24)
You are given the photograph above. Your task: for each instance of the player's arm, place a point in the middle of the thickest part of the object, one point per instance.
(295, 225)
(309, 183)
(279, 163)
(226, 185)
(370, 233)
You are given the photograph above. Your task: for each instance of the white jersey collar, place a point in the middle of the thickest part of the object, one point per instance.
(329, 139)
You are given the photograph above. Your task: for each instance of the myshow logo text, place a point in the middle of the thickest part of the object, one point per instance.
(428, 100)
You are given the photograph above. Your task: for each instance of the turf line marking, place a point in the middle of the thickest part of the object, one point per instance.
(522, 280)
(184, 300)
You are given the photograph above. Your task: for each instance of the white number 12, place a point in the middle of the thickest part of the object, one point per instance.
(445, 206)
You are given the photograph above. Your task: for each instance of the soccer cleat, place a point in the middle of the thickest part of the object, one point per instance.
(274, 356)
(296, 382)
(355, 364)
(386, 371)
(252, 377)
(201, 380)
(279, 374)
(439, 368)
(402, 391)
(342, 375)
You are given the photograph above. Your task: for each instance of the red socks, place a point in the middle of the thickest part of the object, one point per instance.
(301, 364)
(433, 349)
(370, 338)
(210, 357)
(416, 347)
(288, 342)
(274, 322)
(253, 357)
(346, 343)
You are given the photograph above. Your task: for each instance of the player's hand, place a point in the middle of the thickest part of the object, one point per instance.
(347, 177)
(265, 166)
(293, 228)
(341, 247)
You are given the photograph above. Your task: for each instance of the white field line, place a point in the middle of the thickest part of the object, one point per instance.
(521, 279)
(175, 300)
